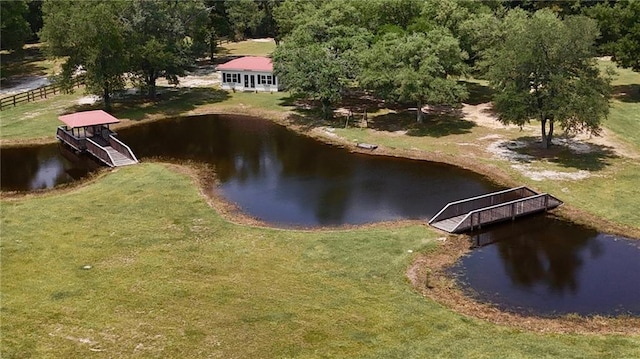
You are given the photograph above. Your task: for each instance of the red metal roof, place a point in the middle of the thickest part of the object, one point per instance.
(248, 63)
(87, 118)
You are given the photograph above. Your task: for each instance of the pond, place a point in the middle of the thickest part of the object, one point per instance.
(537, 265)
(546, 266)
(274, 174)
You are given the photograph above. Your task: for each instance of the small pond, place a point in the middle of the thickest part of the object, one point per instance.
(545, 266)
(538, 265)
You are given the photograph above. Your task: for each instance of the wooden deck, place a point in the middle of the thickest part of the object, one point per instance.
(109, 151)
(473, 213)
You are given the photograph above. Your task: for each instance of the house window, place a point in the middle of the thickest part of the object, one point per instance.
(265, 80)
(231, 78)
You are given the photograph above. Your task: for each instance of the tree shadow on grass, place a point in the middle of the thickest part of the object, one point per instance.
(438, 122)
(478, 93)
(170, 102)
(565, 152)
(627, 93)
(21, 64)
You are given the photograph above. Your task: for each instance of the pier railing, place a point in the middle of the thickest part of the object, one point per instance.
(65, 136)
(461, 207)
(119, 146)
(507, 210)
(100, 152)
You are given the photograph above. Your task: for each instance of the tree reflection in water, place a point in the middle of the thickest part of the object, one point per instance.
(548, 266)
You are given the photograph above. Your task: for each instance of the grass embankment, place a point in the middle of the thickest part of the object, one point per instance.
(169, 278)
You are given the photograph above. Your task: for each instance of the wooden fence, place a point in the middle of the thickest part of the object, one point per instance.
(36, 94)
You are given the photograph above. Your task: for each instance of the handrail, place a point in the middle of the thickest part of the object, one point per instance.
(63, 135)
(120, 145)
(468, 200)
(102, 151)
(505, 204)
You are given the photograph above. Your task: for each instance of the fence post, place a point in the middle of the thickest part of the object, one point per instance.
(546, 202)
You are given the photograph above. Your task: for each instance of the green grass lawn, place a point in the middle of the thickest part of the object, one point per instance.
(247, 48)
(624, 118)
(37, 119)
(169, 278)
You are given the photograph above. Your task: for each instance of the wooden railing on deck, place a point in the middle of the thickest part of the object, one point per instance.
(117, 145)
(465, 206)
(65, 136)
(507, 210)
(100, 152)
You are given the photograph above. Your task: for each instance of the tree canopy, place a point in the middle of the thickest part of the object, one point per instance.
(543, 68)
(417, 67)
(14, 28)
(163, 39)
(90, 36)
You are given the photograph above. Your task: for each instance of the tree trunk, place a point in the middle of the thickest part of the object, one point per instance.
(212, 46)
(543, 125)
(546, 136)
(326, 109)
(419, 114)
(106, 97)
(150, 79)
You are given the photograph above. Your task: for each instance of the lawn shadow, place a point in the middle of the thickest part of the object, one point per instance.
(170, 102)
(627, 93)
(21, 64)
(478, 93)
(438, 122)
(565, 152)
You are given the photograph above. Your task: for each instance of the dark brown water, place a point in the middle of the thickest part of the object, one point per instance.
(41, 167)
(545, 266)
(286, 179)
(537, 265)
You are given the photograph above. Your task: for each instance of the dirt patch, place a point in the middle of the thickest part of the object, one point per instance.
(428, 276)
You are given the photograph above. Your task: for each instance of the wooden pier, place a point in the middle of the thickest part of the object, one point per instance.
(473, 213)
(89, 132)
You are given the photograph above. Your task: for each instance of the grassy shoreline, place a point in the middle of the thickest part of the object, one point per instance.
(172, 278)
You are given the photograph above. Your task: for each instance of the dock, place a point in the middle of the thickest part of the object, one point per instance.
(473, 213)
(89, 132)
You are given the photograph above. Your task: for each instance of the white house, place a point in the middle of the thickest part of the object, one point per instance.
(251, 73)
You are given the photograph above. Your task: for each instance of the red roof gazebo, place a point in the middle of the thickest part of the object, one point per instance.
(87, 118)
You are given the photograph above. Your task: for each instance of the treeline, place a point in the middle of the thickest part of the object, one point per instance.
(538, 55)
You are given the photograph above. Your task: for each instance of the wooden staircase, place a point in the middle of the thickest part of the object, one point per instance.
(118, 158)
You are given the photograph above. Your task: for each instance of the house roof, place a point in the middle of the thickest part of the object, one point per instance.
(87, 118)
(248, 63)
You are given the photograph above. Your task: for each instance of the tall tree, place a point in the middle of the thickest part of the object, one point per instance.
(14, 28)
(543, 68)
(164, 38)
(244, 16)
(418, 68)
(218, 25)
(620, 27)
(319, 59)
(89, 36)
